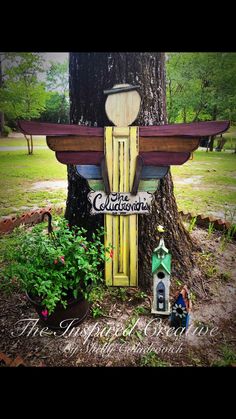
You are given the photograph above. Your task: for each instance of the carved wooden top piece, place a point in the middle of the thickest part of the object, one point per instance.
(122, 107)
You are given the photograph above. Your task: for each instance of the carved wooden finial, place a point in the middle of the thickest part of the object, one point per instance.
(122, 106)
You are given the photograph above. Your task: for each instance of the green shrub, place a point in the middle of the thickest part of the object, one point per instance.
(51, 267)
(6, 131)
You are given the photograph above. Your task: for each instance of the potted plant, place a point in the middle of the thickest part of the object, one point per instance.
(57, 270)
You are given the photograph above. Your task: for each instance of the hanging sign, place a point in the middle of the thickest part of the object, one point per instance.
(120, 203)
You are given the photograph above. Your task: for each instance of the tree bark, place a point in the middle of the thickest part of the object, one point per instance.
(90, 74)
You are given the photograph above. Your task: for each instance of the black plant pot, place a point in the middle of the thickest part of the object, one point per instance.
(76, 310)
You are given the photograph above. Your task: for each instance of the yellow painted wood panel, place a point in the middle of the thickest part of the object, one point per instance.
(108, 242)
(121, 148)
(121, 280)
(133, 219)
(120, 234)
(133, 153)
(133, 263)
(121, 218)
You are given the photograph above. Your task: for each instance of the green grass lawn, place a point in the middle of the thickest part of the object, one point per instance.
(212, 184)
(206, 184)
(230, 135)
(14, 142)
(18, 172)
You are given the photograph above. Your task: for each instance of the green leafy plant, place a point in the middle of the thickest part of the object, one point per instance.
(230, 232)
(211, 229)
(141, 311)
(97, 311)
(6, 131)
(140, 295)
(178, 282)
(54, 267)
(228, 357)
(212, 271)
(151, 360)
(119, 293)
(96, 297)
(225, 276)
(192, 224)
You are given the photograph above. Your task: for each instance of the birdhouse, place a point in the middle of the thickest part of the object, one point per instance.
(180, 314)
(161, 268)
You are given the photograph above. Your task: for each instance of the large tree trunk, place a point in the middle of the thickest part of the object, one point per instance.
(90, 74)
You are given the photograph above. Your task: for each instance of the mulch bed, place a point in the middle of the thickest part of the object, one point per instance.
(128, 335)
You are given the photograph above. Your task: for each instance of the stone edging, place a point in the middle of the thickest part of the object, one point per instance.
(7, 224)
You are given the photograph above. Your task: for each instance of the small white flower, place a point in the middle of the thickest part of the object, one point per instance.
(179, 311)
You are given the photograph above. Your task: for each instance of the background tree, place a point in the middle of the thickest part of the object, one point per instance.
(89, 74)
(201, 86)
(57, 102)
(2, 121)
(22, 95)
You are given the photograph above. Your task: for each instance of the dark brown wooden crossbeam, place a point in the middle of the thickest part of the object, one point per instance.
(193, 129)
(179, 138)
(159, 146)
(86, 143)
(45, 128)
(79, 157)
(75, 143)
(156, 158)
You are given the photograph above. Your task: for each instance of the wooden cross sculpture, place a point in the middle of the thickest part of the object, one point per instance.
(122, 155)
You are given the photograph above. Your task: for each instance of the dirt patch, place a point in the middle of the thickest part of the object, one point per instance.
(50, 185)
(193, 180)
(127, 334)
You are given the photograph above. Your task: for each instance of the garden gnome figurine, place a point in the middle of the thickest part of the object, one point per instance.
(161, 268)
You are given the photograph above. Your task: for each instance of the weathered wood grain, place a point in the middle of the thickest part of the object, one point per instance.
(45, 128)
(82, 143)
(161, 158)
(154, 172)
(193, 129)
(137, 175)
(122, 108)
(173, 144)
(89, 171)
(148, 172)
(105, 176)
(75, 143)
(83, 157)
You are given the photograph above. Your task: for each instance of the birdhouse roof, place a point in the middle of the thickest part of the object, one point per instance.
(164, 263)
(161, 248)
